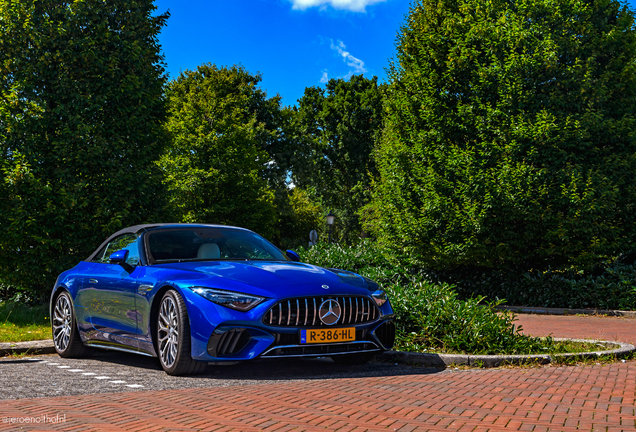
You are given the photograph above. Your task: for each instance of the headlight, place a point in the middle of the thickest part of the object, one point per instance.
(230, 299)
(380, 297)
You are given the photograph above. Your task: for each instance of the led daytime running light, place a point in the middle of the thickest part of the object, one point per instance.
(229, 299)
(380, 297)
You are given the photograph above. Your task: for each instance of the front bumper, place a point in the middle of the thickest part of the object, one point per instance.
(231, 343)
(219, 334)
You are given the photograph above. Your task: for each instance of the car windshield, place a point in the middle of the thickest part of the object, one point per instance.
(210, 244)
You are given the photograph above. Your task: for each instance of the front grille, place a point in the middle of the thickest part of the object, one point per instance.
(304, 311)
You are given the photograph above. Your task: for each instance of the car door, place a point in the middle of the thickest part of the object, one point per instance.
(108, 293)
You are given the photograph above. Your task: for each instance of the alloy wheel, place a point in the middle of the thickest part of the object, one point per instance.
(168, 332)
(62, 320)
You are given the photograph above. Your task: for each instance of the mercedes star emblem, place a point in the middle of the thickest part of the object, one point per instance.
(325, 287)
(330, 312)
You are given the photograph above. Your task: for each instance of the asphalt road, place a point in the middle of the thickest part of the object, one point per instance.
(113, 372)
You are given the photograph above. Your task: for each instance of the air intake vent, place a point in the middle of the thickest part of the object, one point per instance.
(386, 334)
(228, 343)
(305, 311)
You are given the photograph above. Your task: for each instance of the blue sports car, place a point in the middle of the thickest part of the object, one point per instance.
(191, 294)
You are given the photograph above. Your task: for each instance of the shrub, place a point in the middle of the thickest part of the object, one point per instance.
(509, 134)
(428, 315)
(431, 316)
(610, 287)
(80, 127)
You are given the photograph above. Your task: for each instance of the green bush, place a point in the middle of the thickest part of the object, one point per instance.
(509, 134)
(431, 317)
(428, 315)
(609, 287)
(80, 127)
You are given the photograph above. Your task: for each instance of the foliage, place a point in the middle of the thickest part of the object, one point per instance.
(429, 315)
(218, 120)
(335, 132)
(609, 287)
(298, 216)
(509, 136)
(612, 286)
(81, 106)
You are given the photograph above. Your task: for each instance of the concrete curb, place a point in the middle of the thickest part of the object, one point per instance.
(423, 359)
(563, 311)
(489, 361)
(33, 347)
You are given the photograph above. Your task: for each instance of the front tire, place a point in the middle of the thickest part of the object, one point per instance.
(173, 337)
(66, 337)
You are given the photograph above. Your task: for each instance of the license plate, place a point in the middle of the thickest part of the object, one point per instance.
(327, 335)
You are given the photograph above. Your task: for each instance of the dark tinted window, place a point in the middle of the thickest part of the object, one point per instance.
(210, 244)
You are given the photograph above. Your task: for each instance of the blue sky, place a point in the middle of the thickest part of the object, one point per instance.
(293, 43)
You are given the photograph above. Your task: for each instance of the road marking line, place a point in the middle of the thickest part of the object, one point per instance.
(64, 367)
(102, 377)
(89, 373)
(118, 382)
(76, 370)
(134, 385)
(52, 364)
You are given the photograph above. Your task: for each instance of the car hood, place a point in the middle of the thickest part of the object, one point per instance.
(275, 277)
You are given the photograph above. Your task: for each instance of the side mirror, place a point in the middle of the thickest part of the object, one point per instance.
(293, 255)
(118, 257)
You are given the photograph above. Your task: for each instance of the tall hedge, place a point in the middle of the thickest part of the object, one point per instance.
(510, 133)
(81, 107)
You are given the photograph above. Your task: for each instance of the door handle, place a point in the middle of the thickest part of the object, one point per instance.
(92, 280)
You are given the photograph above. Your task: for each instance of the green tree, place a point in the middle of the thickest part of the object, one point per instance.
(222, 126)
(81, 107)
(509, 133)
(335, 132)
(299, 215)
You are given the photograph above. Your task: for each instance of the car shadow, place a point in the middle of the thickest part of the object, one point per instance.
(273, 369)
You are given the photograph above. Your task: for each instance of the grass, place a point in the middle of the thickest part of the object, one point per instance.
(22, 323)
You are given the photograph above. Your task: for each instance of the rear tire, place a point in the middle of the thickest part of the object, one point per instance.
(173, 337)
(353, 359)
(66, 338)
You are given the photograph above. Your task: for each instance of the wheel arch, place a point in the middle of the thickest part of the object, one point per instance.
(154, 311)
(57, 291)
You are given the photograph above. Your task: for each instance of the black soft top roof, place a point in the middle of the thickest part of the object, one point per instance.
(136, 229)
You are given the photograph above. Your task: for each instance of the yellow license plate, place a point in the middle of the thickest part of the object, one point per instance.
(327, 335)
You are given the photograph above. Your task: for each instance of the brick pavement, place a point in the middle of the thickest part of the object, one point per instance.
(574, 398)
(581, 327)
(547, 398)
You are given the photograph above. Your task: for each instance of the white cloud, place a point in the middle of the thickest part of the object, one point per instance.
(325, 77)
(355, 63)
(351, 5)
